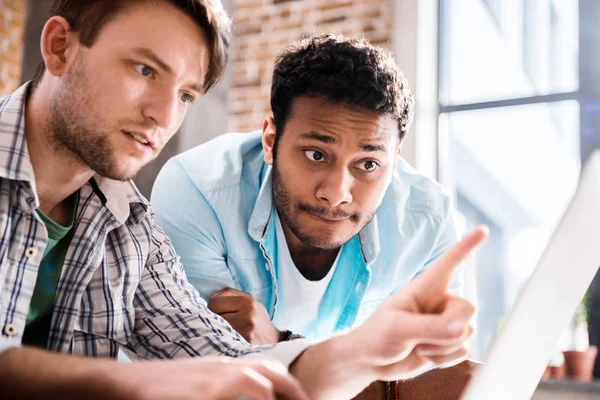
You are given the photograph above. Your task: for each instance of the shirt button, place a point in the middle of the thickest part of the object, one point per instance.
(31, 252)
(10, 330)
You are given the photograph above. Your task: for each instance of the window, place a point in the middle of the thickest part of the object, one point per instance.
(495, 9)
(509, 140)
(480, 64)
(530, 59)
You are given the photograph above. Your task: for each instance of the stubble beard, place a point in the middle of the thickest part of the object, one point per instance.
(283, 204)
(75, 132)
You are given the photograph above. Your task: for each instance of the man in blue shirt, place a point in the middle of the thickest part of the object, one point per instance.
(309, 224)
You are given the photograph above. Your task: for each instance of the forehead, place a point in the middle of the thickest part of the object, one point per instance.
(345, 122)
(160, 27)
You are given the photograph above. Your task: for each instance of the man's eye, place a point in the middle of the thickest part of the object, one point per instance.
(314, 155)
(144, 70)
(368, 166)
(187, 98)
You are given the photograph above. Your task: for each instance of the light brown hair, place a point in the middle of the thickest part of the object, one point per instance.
(87, 17)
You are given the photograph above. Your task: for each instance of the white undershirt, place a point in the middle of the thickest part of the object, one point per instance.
(299, 298)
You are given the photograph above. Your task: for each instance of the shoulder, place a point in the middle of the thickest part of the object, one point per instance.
(220, 163)
(416, 192)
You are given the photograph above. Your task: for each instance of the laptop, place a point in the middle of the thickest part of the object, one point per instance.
(520, 351)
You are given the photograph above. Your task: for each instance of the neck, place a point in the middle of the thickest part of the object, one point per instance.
(311, 262)
(58, 172)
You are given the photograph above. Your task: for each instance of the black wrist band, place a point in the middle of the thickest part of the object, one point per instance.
(286, 335)
(392, 390)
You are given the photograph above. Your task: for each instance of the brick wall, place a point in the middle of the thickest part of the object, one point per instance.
(264, 27)
(12, 24)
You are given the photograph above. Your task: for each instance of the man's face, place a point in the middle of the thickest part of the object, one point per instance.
(123, 98)
(333, 164)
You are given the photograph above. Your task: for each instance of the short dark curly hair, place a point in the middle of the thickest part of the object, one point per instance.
(341, 69)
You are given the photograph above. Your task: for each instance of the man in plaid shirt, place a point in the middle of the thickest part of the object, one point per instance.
(85, 270)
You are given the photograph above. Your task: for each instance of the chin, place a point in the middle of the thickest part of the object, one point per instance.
(324, 243)
(120, 174)
(128, 170)
(323, 237)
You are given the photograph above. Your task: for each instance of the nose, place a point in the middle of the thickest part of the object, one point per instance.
(163, 108)
(335, 189)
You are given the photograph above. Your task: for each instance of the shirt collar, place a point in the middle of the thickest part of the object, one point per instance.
(15, 164)
(261, 214)
(122, 198)
(14, 158)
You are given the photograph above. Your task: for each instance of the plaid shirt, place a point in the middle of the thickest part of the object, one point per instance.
(121, 284)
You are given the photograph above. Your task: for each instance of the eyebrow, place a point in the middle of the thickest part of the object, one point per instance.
(319, 136)
(372, 147)
(332, 140)
(149, 54)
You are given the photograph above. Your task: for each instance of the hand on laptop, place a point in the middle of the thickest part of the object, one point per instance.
(419, 327)
(246, 315)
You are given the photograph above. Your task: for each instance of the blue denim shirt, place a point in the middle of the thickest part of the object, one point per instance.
(215, 203)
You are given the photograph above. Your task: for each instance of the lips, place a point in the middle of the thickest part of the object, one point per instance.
(138, 138)
(333, 219)
(141, 138)
(323, 214)
(329, 219)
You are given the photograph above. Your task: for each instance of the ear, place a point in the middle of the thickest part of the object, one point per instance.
(268, 139)
(59, 45)
(399, 149)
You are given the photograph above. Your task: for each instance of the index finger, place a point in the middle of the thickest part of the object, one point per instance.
(438, 276)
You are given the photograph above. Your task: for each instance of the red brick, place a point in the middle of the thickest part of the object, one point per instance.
(245, 4)
(282, 24)
(330, 5)
(283, 14)
(332, 19)
(249, 29)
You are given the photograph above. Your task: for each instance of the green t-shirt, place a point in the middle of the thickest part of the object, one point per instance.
(39, 316)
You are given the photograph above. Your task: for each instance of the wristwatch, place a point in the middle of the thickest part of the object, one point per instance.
(392, 390)
(286, 335)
